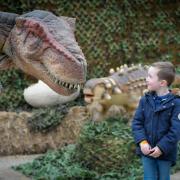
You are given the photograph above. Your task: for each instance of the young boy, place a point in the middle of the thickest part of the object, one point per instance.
(156, 123)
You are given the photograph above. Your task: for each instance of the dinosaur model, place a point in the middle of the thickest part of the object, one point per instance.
(44, 46)
(122, 88)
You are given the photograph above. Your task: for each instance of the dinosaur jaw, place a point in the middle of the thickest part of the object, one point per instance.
(88, 95)
(61, 87)
(40, 72)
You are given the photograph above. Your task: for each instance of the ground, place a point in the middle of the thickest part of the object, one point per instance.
(6, 173)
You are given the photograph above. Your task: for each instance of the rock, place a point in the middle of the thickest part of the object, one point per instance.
(16, 138)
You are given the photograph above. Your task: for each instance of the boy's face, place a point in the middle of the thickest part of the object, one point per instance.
(152, 80)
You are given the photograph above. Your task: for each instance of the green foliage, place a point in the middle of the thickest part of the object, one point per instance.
(56, 165)
(46, 119)
(104, 151)
(107, 160)
(13, 83)
(106, 145)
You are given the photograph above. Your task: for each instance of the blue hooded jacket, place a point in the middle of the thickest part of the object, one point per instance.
(159, 125)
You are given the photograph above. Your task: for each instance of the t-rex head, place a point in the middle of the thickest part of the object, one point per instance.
(44, 46)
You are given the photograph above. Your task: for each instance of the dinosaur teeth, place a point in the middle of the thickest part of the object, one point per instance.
(82, 86)
(62, 83)
(75, 86)
(66, 84)
(70, 86)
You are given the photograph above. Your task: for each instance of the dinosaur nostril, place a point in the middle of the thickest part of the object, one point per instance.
(80, 59)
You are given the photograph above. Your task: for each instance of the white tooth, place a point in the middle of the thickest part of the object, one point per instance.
(81, 86)
(71, 86)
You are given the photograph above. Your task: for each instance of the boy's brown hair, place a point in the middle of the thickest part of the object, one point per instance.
(166, 71)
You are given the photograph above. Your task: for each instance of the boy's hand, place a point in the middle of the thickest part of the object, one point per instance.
(155, 152)
(145, 147)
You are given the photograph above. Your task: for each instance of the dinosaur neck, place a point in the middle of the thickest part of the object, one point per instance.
(7, 21)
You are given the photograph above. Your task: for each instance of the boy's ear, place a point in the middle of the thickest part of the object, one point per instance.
(164, 83)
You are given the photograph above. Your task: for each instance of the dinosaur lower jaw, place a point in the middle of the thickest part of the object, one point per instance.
(88, 98)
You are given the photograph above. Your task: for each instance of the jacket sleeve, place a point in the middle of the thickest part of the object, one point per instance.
(167, 142)
(138, 124)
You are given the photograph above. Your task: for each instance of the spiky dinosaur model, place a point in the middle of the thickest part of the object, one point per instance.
(122, 88)
(43, 45)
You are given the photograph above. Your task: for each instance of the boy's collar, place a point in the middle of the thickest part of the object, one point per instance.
(173, 91)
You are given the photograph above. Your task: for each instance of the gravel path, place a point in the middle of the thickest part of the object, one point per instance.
(6, 173)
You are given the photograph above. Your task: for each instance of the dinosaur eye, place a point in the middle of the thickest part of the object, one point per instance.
(35, 43)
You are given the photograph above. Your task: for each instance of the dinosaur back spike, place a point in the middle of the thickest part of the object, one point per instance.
(130, 77)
